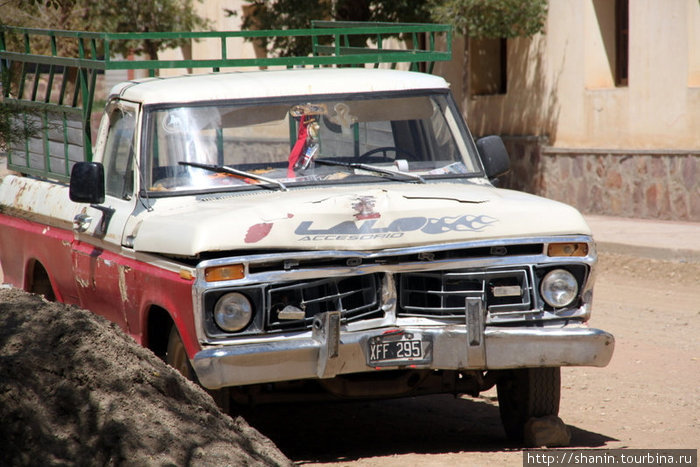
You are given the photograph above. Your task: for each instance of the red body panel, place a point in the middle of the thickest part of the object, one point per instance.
(22, 242)
(119, 288)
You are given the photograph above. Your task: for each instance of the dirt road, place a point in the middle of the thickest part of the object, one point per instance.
(648, 397)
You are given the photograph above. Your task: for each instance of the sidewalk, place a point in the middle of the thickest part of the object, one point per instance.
(656, 239)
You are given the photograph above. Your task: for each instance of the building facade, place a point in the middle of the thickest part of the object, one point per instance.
(602, 111)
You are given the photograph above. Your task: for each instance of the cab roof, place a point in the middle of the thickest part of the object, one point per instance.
(272, 83)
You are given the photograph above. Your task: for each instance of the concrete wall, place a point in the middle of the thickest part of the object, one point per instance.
(211, 48)
(642, 183)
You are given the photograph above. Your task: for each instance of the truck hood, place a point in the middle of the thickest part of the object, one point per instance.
(349, 218)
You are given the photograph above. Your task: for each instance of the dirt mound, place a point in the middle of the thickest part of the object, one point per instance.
(76, 390)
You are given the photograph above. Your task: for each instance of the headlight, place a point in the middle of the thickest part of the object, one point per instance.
(559, 288)
(233, 312)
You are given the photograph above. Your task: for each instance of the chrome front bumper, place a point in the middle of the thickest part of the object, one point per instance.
(329, 352)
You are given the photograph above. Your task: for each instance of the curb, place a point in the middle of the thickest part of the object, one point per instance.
(649, 252)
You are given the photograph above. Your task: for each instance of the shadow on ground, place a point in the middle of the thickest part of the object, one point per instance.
(346, 431)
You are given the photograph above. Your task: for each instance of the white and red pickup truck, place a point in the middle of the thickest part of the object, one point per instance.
(311, 231)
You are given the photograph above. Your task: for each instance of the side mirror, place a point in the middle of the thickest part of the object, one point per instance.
(494, 156)
(87, 183)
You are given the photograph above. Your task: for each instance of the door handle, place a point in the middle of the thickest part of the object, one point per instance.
(81, 222)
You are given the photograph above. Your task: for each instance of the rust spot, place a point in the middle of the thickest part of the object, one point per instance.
(20, 193)
(122, 283)
(257, 232)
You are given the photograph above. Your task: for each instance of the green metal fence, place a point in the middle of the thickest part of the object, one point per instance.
(56, 89)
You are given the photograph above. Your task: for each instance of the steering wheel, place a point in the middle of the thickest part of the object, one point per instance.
(384, 150)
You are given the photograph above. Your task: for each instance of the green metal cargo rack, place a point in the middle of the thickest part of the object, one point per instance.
(57, 92)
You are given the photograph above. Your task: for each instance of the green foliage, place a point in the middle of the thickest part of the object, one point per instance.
(149, 16)
(16, 125)
(284, 14)
(492, 18)
(13, 130)
(109, 16)
(88, 15)
(50, 3)
(292, 14)
(475, 18)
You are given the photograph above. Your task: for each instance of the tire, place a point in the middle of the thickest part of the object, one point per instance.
(526, 393)
(41, 284)
(176, 357)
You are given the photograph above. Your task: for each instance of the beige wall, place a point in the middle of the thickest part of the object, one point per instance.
(211, 48)
(561, 84)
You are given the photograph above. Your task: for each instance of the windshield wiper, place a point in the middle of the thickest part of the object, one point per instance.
(402, 176)
(230, 170)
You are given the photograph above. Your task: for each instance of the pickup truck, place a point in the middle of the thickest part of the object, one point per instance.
(299, 232)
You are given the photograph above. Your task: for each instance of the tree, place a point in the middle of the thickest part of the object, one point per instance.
(291, 14)
(473, 18)
(150, 16)
(90, 15)
(492, 18)
(13, 131)
(110, 16)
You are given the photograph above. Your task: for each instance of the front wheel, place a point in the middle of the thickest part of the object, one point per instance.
(525, 393)
(176, 356)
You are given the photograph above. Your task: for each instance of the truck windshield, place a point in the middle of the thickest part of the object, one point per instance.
(419, 136)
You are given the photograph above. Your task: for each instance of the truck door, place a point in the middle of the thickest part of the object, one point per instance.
(101, 268)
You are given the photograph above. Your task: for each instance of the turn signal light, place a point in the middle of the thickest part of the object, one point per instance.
(567, 249)
(224, 273)
(186, 274)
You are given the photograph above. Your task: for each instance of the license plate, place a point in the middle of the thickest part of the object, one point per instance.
(397, 349)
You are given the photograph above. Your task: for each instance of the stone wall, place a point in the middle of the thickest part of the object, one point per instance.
(637, 183)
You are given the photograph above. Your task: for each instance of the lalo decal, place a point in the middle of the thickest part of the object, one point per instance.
(373, 229)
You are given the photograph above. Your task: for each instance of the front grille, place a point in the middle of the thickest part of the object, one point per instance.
(444, 293)
(356, 297)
